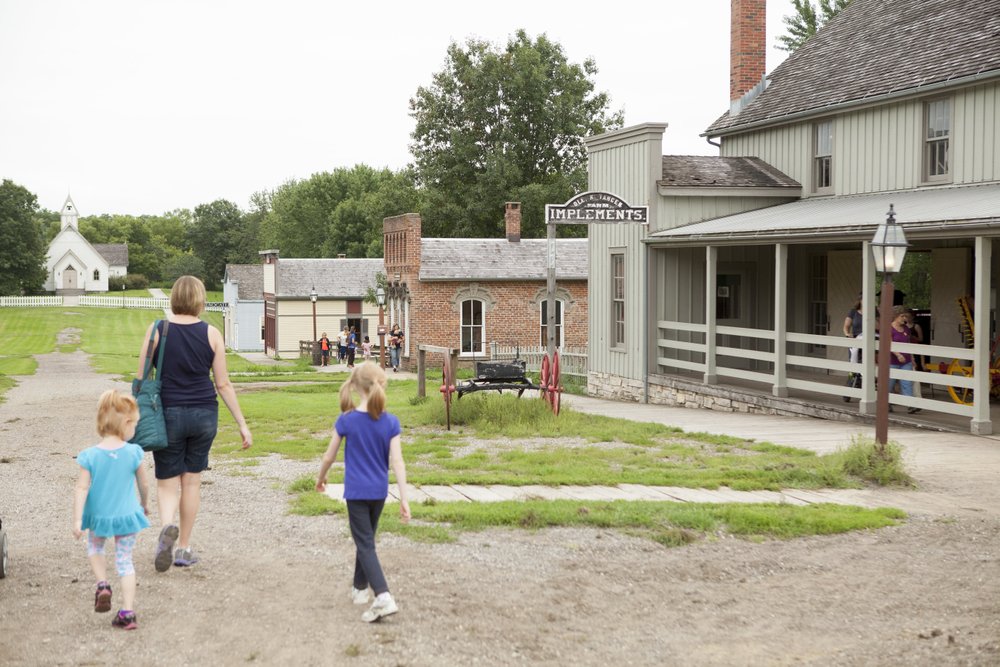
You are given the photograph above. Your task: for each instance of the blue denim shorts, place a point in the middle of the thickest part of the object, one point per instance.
(190, 432)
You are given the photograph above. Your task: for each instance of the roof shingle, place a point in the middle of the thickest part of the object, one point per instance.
(877, 47)
(499, 259)
(689, 171)
(332, 278)
(249, 279)
(116, 254)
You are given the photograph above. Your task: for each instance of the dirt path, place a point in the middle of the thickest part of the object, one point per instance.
(272, 588)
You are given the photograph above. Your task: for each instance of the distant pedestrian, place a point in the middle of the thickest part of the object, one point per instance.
(901, 360)
(395, 346)
(105, 503)
(352, 347)
(342, 346)
(324, 349)
(366, 349)
(372, 446)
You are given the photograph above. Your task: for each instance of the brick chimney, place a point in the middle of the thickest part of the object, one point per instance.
(401, 244)
(512, 216)
(747, 46)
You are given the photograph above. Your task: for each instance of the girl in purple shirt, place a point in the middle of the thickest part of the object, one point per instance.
(372, 446)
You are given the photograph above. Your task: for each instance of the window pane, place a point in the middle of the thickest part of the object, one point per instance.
(477, 313)
(824, 138)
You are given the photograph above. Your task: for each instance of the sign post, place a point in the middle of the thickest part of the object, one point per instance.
(583, 209)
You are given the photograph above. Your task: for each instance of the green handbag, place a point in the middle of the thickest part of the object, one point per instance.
(151, 431)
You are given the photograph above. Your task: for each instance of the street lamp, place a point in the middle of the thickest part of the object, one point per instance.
(313, 296)
(888, 249)
(380, 298)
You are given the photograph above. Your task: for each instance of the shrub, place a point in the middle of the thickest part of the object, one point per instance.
(880, 465)
(136, 281)
(116, 283)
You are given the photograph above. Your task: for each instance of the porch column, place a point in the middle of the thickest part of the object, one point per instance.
(711, 270)
(981, 424)
(780, 387)
(867, 406)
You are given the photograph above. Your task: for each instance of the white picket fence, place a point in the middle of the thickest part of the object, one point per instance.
(103, 301)
(572, 360)
(22, 301)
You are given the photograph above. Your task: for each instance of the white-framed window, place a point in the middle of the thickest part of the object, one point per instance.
(823, 157)
(617, 299)
(544, 322)
(97, 274)
(473, 327)
(937, 134)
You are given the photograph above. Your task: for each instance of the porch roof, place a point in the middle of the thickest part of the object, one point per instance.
(932, 212)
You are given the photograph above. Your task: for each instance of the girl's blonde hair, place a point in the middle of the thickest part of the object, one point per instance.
(187, 296)
(114, 410)
(368, 380)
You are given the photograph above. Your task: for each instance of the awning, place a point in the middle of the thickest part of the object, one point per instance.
(931, 212)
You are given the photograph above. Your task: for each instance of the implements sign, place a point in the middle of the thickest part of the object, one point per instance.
(595, 207)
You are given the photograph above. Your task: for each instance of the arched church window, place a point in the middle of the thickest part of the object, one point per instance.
(97, 274)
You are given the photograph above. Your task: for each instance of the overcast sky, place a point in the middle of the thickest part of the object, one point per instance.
(145, 106)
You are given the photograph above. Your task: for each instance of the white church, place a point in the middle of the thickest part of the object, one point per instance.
(75, 265)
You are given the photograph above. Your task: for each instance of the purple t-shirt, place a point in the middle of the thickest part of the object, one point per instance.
(900, 337)
(366, 453)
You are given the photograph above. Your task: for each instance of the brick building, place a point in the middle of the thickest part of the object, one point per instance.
(469, 293)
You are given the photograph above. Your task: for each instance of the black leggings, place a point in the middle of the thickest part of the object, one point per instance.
(350, 356)
(363, 516)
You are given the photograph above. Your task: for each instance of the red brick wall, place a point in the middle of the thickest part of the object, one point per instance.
(747, 46)
(513, 319)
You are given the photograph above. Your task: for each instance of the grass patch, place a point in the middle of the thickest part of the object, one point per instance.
(865, 460)
(669, 524)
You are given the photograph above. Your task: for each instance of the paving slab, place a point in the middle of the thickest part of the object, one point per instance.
(642, 492)
(479, 494)
(413, 494)
(591, 492)
(507, 492)
(444, 494)
(810, 497)
(335, 491)
(546, 492)
(688, 495)
(726, 494)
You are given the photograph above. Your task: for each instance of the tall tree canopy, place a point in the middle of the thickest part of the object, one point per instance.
(494, 121)
(216, 237)
(22, 253)
(336, 212)
(807, 19)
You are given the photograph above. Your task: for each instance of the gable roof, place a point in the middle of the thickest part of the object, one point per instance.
(875, 48)
(116, 254)
(702, 171)
(332, 278)
(249, 280)
(499, 259)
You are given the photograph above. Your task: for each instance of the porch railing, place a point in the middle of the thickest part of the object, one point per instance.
(572, 360)
(822, 382)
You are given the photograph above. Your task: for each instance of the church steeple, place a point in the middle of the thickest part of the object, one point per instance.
(69, 215)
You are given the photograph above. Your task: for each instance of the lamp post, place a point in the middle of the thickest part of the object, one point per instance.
(888, 248)
(313, 296)
(380, 298)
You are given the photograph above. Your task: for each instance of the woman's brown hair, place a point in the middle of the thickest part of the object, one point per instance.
(368, 380)
(187, 296)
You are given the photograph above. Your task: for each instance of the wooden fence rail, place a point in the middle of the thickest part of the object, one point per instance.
(572, 360)
(22, 301)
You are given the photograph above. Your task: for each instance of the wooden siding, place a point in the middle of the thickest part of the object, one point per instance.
(630, 171)
(880, 148)
(678, 211)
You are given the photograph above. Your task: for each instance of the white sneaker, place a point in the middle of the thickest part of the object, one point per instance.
(383, 606)
(359, 596)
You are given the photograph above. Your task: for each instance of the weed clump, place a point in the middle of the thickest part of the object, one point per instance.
(865, 459)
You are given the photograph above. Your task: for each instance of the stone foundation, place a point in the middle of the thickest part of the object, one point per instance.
(665, 390)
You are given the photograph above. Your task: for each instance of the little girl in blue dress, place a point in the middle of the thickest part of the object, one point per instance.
(105, 502)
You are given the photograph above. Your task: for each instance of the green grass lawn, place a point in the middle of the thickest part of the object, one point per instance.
(494, 440)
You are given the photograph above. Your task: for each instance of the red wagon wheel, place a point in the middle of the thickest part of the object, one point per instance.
(543, 378)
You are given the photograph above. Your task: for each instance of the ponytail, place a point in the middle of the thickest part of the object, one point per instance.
(368, 380)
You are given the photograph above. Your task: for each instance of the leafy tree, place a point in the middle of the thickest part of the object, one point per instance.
(807, 19)
(213, 236)
(184, 264)
(496, 120)
(23, 251)
(336, 212)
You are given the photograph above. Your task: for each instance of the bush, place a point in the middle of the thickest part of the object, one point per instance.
(116, 283)
(880, 465)
(135, 281)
